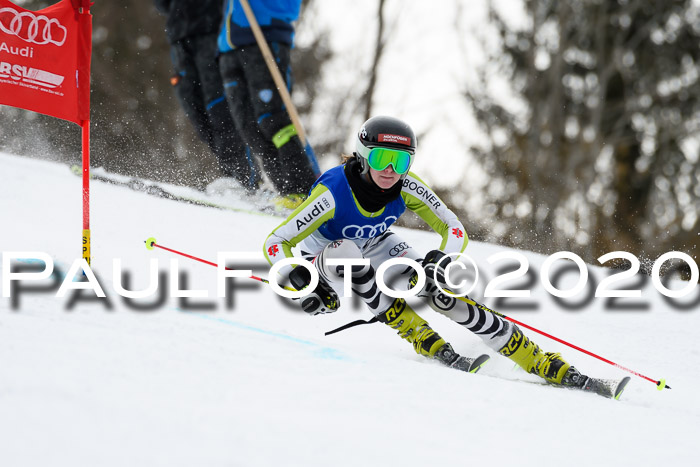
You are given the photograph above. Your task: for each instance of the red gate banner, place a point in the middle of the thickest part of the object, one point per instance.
(45, 59)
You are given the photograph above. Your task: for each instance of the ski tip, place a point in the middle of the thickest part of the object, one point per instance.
(621, 387)
(661, 384)
(478, 363)
(150, 242)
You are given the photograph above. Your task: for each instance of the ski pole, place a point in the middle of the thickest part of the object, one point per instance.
(660, 384)
(151, 243)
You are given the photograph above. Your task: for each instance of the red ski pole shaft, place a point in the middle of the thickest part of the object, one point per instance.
(151, 243)
(661, 384)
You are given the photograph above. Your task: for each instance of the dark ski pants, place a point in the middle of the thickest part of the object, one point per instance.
(250, 88)
(200, 90)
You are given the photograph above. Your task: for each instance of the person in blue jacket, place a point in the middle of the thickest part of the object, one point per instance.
(250, 88)
(192, 27)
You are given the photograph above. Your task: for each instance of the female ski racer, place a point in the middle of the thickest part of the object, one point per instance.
(348, 214)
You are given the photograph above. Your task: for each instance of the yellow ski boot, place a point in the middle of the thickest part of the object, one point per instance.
(529, 357)
(427, 342)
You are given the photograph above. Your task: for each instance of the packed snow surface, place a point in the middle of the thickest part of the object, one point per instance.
(249, 380)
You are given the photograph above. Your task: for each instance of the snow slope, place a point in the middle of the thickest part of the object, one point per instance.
(258, 384)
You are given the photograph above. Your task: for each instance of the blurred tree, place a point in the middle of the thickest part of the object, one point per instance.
(593, 135)
(308, 60)
(379, 47)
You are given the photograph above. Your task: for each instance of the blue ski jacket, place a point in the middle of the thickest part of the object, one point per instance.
(275, 18)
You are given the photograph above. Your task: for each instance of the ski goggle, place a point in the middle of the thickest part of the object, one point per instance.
(381, 158)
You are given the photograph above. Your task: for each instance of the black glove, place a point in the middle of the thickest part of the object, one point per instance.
(322, 300)
(431, 268)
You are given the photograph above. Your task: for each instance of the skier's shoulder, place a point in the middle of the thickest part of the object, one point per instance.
(416, 192)
(321, 192)
(332, 178)
(415, 186)
(337, 171)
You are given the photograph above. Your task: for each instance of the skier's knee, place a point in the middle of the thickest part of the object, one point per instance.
(342, 250)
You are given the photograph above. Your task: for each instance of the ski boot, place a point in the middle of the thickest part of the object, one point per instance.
(447, 356)
(547, 365)
(426, 342)
(555, 370)
(610, 388)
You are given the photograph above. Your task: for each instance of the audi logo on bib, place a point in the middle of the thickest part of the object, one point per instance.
(31, 28)
(355, 232)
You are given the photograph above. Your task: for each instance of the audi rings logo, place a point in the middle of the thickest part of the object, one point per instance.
(399, 248)
(38, 30)
(367, 231)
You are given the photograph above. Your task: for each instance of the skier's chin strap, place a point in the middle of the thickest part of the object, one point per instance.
(351, 325)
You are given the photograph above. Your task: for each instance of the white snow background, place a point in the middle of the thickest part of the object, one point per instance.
(260, 385)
